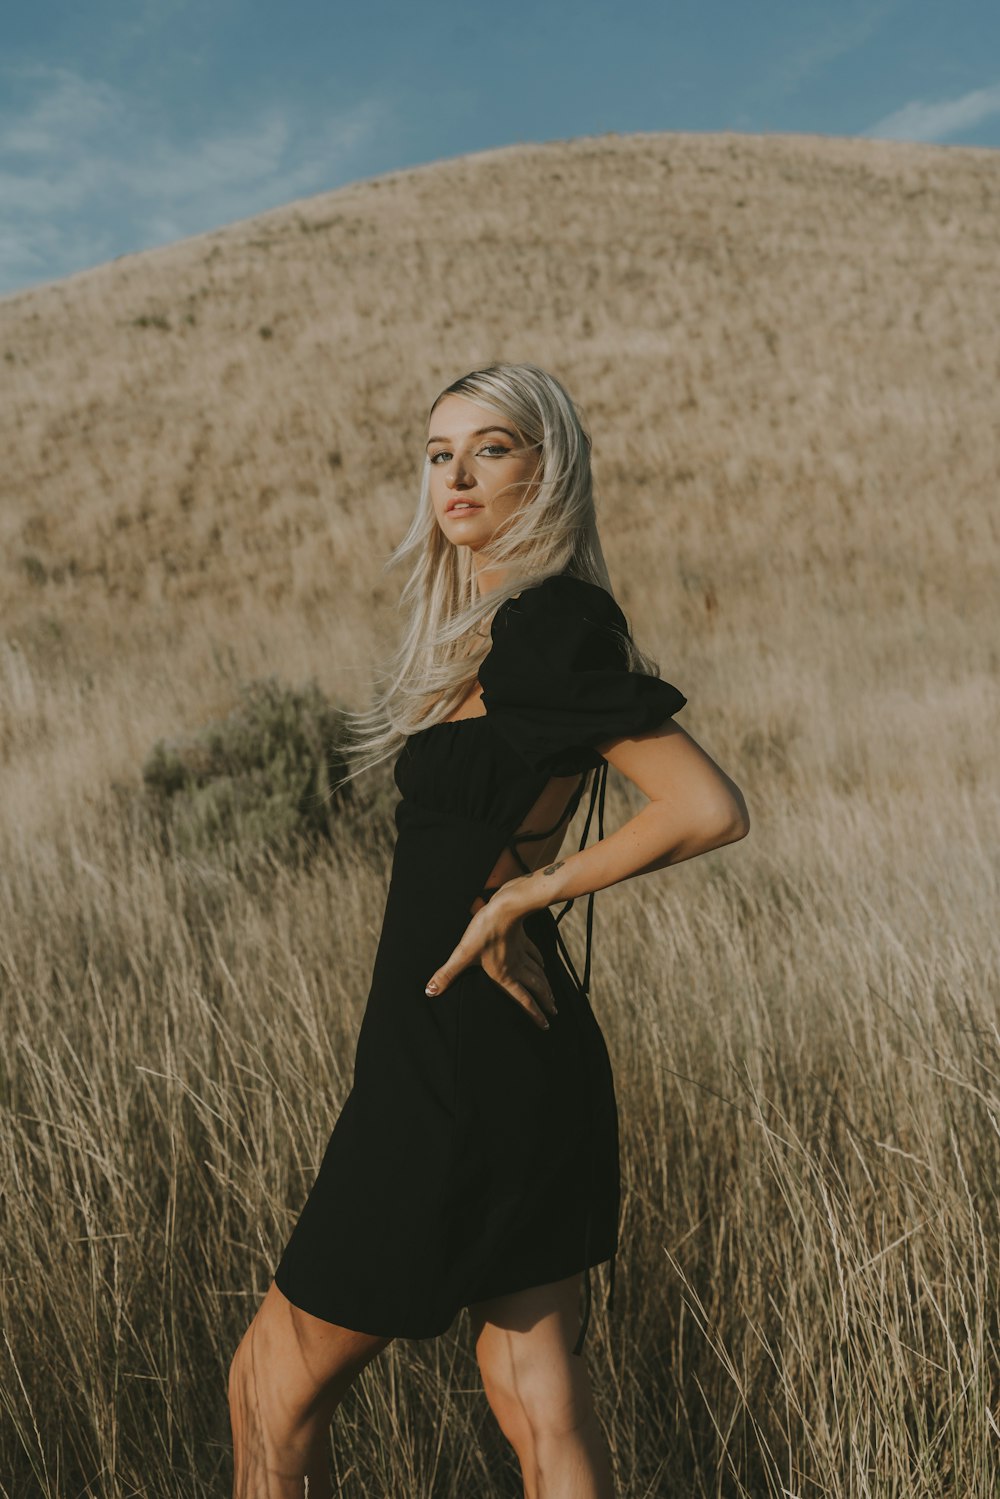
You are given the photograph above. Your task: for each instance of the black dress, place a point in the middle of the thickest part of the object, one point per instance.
(477, 1154)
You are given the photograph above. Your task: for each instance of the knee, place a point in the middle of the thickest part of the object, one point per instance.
(509, 1410)
(266, 1387)
(243, 1376)
(239, 1367)
(535, 1406)
(290, 1370)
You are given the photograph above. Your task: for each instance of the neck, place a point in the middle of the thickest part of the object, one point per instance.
(489, 578)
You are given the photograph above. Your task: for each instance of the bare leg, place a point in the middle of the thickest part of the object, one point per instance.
(287, 1377)
(539, 1390)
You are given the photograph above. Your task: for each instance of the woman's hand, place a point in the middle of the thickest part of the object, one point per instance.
(495, 938)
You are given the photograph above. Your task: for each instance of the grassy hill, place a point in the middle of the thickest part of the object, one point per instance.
(785, 349)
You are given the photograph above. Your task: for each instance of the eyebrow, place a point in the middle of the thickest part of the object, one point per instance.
(477, 433)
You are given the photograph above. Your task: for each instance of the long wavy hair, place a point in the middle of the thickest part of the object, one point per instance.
(447, 632)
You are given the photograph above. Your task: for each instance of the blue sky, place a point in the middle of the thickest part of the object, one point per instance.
(128, 125)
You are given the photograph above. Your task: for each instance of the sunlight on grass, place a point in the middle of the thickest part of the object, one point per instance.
(787, 360)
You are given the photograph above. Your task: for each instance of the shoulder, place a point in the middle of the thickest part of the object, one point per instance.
(561, 616)
(556, 681)
(562, 594)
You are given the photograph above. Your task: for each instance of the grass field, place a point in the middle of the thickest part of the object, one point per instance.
(785, 349)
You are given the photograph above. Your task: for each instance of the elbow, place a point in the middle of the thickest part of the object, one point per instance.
(733, 820)
(740, 830)
(741, 818)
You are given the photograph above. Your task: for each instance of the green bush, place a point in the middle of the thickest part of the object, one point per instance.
(258, 780)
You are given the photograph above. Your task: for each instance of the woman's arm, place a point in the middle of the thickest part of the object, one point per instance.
(693, 807)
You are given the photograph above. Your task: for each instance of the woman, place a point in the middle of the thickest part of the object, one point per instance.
(475, 1160)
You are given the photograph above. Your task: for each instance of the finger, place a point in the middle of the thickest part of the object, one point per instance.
(534, 958)
(539, 983)
(526, 1001)
(442, 977)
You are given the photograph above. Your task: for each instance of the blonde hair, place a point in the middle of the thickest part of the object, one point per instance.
(436, 663)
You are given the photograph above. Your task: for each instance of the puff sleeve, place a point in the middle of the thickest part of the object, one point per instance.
(555, 681)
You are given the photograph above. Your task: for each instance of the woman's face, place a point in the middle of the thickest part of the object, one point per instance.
(481, 470)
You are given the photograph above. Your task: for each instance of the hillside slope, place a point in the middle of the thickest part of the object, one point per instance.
(784, 347)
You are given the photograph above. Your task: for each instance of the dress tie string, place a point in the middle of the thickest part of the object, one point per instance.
(598, 788)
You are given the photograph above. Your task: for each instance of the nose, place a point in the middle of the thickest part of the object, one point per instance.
(457, 478)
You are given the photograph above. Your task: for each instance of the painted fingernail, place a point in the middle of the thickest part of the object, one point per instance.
(431, 988)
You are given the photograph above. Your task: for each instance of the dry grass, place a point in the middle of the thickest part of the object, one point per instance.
(786, 351)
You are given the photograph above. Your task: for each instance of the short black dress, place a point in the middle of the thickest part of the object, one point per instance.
(476, 1154)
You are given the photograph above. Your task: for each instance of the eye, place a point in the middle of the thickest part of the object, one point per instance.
(497, 447)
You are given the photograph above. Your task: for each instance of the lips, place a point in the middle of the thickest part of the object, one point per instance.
(461, 505)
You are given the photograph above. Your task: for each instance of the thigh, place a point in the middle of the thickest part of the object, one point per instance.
(311, 1360)
(524, 1345)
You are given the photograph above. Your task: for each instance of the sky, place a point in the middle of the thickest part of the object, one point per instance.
(127, 124)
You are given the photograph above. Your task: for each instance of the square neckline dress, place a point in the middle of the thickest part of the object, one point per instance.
(475, 1154)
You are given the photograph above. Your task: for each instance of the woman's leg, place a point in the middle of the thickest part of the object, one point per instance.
(539, 1390)
(287, 1377)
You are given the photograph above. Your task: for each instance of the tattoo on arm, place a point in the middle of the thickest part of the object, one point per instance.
(551, 868)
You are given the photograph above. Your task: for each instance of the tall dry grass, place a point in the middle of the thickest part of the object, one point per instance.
(785, 351)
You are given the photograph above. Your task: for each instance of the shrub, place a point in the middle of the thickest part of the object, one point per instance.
(34, 569)
(258, 780)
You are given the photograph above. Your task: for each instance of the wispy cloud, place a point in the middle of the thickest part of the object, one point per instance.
(86, 172)
(845, 29)
(918, 121)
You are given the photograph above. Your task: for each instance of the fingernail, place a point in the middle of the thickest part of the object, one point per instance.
(545, 1025)
(431, 988)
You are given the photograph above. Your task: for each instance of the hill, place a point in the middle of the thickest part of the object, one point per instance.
(784, 347)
